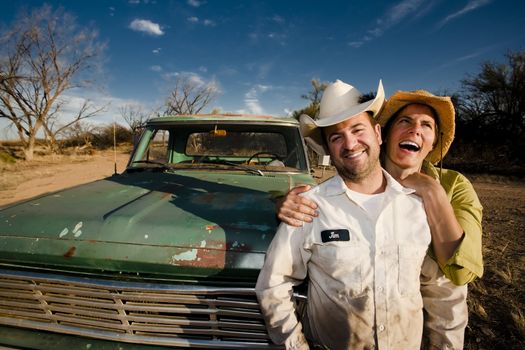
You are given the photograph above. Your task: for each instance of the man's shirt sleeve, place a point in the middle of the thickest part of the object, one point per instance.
(284, 267)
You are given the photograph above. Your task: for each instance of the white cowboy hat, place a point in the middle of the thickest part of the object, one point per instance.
(340, 102)
(443, 107)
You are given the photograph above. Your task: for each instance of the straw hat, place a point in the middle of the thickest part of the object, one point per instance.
(340, 102)
(444, 110)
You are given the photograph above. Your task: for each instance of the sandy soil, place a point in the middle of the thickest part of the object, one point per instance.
(496, 302)
(53, 173)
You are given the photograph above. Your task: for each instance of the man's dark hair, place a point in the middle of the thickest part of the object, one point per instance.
(367, 97)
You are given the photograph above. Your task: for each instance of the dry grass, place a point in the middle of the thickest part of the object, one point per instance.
(496, 301)
(518, 316)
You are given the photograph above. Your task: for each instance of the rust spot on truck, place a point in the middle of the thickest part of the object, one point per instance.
(70, 252)
(200, 256)
(210, 258)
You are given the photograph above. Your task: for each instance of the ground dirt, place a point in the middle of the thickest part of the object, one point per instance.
(496, 301)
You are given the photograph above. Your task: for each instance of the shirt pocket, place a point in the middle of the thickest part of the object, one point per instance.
(409, 269)
(342, 262)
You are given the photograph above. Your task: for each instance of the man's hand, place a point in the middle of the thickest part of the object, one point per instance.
(295, 210)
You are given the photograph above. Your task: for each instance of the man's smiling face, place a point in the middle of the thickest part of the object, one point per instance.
(354, 147)
(411, 136)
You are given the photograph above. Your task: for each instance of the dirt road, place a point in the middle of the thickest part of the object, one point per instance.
(496, 302)
(50, 174)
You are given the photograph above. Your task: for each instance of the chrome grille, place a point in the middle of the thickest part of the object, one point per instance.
(144, 313)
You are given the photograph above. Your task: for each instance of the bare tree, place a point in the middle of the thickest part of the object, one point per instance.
(54, 126)
(136, 117)
(42, 56)
(496, 96)
(80, 134)
(190, 96)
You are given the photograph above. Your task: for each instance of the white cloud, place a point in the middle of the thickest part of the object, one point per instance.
(157, 50)
(471, 6)
(203, 69)
(251, 99)
(264, 70)
(355, 44)
(194, 78)
(146, 26)
(272, 28)
(156, 68)
(205, 22)
(469, 56)
(393, 16)
(195, 3)
(278, 19)
(170, 75)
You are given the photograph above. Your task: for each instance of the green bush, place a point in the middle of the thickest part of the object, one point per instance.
(7, 158)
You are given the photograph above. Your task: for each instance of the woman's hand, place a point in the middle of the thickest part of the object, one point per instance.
(422, 183)
(294, 209)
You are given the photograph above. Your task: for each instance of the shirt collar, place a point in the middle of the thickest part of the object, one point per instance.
(429, 169)
(336, 185)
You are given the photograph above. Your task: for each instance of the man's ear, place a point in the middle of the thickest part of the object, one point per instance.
(377, 129)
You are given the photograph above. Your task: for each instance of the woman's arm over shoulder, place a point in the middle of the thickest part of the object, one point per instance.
(467, 262)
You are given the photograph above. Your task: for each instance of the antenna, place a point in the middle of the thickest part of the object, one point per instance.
(114, 145)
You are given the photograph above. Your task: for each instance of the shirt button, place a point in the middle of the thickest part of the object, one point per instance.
(381, 328)
(380, 289)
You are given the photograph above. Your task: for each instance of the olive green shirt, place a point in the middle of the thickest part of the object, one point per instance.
(467, 262)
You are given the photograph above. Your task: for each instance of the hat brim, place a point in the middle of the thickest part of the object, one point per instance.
(444, 110)
(310, 127)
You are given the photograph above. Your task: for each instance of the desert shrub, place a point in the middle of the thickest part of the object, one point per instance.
(6, 158)
(103, 136)
(100, 137)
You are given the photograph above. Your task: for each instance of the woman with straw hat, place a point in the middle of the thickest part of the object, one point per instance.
(418, 129)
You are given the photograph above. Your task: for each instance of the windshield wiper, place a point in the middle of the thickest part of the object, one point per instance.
(240, 166)
(159, 165)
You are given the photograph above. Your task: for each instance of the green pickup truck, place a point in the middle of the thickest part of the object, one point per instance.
(165, 254)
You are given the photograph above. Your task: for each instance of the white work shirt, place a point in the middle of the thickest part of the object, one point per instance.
(363, 289)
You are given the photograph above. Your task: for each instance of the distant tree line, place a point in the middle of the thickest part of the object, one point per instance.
(490, 122)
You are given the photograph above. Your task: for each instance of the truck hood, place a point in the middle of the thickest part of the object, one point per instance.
(186, 223)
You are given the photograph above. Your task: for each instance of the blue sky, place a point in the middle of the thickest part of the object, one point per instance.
(262, 54)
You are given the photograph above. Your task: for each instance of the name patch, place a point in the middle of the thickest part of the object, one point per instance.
(335, 235)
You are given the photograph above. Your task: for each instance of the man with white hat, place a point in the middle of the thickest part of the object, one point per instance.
(362, 255)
